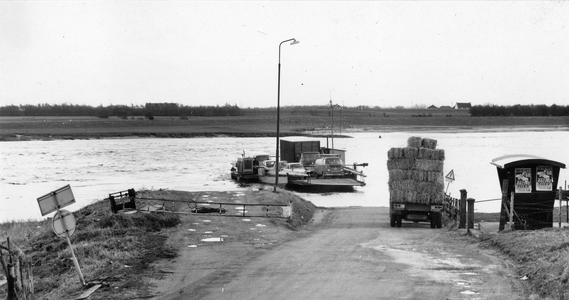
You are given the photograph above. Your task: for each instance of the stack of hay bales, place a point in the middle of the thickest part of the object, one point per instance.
(416, 172)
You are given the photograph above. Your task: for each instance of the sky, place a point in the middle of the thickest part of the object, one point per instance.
(374, 53)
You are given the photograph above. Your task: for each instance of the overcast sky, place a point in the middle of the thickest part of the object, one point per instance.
(227, 52)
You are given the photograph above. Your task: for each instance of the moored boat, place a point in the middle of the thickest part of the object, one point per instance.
(304, 173)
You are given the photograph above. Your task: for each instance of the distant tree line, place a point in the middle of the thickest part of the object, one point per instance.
(122, 111)
(519, 110)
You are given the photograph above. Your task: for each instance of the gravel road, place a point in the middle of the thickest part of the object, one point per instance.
(347, 253)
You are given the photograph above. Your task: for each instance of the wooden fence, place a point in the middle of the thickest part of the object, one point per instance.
(451, 207)
(128, 202)
(18, 270)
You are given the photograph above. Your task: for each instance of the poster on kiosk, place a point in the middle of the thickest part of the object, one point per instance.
(544, 178)
(523, 180)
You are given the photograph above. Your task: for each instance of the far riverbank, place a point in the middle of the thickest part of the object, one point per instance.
(71, 128)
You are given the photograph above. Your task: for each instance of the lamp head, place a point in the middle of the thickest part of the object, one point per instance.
(294, 42)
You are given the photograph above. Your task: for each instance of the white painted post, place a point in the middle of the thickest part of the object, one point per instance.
(75, 262)
(560, 202)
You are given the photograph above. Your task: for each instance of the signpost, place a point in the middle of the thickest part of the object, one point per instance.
(49, 203)
(450, 178)
(63, 221)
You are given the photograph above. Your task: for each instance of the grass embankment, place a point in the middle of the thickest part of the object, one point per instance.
(115, 249)
(541, 255)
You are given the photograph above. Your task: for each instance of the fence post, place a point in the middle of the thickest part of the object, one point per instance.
(462, 207)
(470, 213)
(10, 277)
(560, 204)
(503, 206)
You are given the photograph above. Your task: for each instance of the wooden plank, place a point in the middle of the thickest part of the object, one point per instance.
(88, 292)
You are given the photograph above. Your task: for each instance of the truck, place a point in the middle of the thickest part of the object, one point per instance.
(415, 212)
(300, 149)
(416, 183)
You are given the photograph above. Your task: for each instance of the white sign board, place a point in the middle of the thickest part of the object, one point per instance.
(63, 222)
(57, 199)
(450, 176)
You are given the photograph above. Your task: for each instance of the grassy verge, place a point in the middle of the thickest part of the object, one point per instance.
(542, 256)
(115, 249)
(110, 248)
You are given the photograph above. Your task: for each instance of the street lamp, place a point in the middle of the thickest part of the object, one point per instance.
(292, 42)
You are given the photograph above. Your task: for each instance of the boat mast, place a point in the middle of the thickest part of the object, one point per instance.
(332, 127)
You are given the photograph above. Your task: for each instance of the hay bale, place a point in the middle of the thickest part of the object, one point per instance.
(416, 172)
(429, 165)
(397, 174)
(394, 153)
(419, 176)
(429, 143)
(410, 152)
(399, 153)
(435, 177)
(402, 185)
(414, 141)
(433, 154)
(401, 164)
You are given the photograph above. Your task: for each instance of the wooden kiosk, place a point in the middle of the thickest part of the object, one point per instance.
(531, 182)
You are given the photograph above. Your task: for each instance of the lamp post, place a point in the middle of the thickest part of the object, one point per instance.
(292, 42)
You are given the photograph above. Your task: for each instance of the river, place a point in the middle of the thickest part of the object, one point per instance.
(95, 168)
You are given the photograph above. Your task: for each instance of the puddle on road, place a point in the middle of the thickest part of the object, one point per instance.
(213, 239)
(247, 220)
(469, 293)
(261, 225)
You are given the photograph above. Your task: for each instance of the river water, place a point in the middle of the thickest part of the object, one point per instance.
(95, 168)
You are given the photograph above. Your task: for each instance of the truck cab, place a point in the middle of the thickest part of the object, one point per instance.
(244, 169)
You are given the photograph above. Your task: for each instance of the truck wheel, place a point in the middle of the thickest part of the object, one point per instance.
(392, 220)
(398, 219)
(433, 221)
(439, 221)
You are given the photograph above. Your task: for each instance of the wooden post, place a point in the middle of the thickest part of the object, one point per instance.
(470, 217)
(462, 207)
(10, 276)
(503, 207)
(511, 221)
(560, 202)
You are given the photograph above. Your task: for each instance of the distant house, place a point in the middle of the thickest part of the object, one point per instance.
(432, 107)
(460, 105)
(445, 107)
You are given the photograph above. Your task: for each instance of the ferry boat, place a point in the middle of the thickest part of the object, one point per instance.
(309, 168)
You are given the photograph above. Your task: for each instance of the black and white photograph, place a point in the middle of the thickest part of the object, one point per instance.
(284, 149)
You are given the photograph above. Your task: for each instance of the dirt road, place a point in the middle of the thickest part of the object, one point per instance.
(348, 253)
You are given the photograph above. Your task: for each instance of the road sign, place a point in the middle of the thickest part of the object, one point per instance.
(63, 222)
(57, 199)
(450, 175)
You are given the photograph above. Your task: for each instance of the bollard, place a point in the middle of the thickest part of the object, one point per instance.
(462, 212)
(470, 204)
